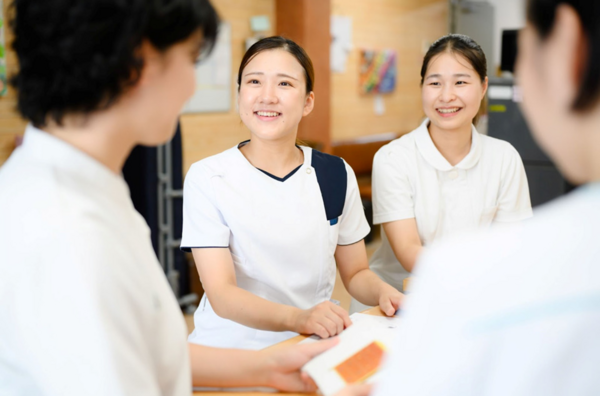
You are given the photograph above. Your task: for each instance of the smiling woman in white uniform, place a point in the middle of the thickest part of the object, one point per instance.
(267, 220)
(443, 178)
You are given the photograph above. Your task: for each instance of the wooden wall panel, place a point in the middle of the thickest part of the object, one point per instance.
(403, 25)
(307, 22)
(208, 134)
(11, 124)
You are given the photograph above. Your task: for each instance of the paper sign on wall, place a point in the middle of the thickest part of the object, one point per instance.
(213, 77)
(341, 42)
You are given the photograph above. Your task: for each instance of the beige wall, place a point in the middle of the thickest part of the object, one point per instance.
(403, 25)
(11, 124)
(208, 134)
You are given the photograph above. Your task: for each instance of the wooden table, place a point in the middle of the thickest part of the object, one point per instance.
(372, 311)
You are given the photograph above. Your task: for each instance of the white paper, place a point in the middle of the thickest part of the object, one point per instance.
(364, 330)
(378, 322)
(341, 42)
(260, 23)
(213, 77)
(378, 105)
(500, 92)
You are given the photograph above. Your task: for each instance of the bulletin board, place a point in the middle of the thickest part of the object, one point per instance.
(213, 77)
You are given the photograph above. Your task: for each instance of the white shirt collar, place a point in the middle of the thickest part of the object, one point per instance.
(44, 148)
(436, 159)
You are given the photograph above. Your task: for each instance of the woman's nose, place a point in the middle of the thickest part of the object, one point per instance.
(447, 94)
(268, 94)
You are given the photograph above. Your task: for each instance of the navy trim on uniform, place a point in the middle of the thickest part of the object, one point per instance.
(333, 182)
(189, 248)
(279, 178)
(242, 144)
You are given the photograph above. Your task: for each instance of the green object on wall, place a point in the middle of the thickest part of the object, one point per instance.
(498, 108)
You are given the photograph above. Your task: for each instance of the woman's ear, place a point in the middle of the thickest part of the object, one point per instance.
(567, 60)
(484, 86)
(581, 58)
(309, 104)
(151, 59)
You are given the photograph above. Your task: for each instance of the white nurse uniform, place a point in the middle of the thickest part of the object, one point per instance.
(282, 233)
(411, 179)
(85, 305)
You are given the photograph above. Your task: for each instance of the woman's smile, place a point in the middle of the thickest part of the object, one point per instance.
(267, 116)
(448, 111)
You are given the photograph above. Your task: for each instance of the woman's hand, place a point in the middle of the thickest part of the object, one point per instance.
(275, 367)
(390, 299)
(325, 320)
(283, 365)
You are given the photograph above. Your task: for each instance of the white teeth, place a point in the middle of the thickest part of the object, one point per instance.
(448, 111)
(267, 113)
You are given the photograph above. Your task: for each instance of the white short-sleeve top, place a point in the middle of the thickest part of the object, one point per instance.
(85, 307)
(508, 311)
(411, 179)
(282, 233)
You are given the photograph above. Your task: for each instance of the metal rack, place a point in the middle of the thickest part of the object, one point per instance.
(166, 241)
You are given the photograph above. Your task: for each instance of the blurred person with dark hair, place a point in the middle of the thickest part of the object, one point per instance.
(516, 310)
(86, 308)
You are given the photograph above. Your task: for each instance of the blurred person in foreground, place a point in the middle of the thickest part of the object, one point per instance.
(516, 310)
(85, 306)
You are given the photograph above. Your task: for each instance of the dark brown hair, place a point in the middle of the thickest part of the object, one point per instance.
(81, 56)
(542, 14)
(459, 44)
(278, 42)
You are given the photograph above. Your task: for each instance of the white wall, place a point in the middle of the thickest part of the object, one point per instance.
(508, 14)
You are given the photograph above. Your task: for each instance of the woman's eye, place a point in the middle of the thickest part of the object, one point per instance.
(461, 82)
(253, 82)
(435, 84)
(285, 84)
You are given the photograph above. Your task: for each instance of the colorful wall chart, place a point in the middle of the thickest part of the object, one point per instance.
(378, 71)
(3, 79)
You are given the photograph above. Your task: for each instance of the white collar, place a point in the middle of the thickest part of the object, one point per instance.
(44, 148)
(436, 159)
(307, 151)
